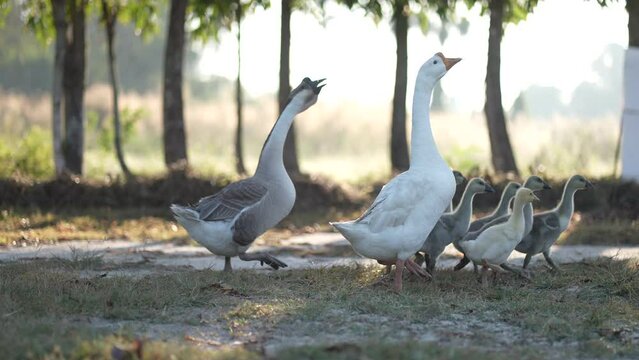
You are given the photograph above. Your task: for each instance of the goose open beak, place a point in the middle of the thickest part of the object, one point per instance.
(448, 62)
(489, 189)
(589, 185)
(317, 86)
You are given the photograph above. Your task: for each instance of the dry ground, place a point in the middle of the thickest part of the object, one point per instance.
(95, 304)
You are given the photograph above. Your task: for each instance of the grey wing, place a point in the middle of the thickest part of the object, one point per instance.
(230, 201)
(245, 229)
(551, 221)
(542, 224)
(479, 223)
(447, 222)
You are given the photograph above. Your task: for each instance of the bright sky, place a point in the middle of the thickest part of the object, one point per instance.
(555, 46)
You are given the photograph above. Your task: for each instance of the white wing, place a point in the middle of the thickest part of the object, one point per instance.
(395, 202)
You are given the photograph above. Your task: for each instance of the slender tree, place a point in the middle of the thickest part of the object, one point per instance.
(65, 19)
(399, 145)
(290, 146)
(174, 134)
(503, 158)
(60, 22)
(73, 85)
(400, 14)
(501, 12)
(140, 13)
(239, 156)
(110, 13)
(209, 18)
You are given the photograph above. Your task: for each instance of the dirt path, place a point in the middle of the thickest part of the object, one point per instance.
(299, 252)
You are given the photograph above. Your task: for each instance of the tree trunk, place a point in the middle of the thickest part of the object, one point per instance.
(502, 154)
(630, 117)
(290, 147)
(239, 157)
(73, 85)
(172, 105)
(110, 17)
(59, 19)
(632, 6)
(399, 146)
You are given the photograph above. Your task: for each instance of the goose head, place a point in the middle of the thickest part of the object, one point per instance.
(436, 67)
(306, 93)
(459, 178)
(510, 189)
(479, 185)
(525, 195)
(535, 183)
(579, 182)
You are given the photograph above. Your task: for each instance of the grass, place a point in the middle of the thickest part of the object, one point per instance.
(602, 232)
(326, 313)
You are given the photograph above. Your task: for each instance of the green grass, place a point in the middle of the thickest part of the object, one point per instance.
(603, 232)
(593, 305)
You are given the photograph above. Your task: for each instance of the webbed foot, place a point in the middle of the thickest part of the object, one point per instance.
(264, 258)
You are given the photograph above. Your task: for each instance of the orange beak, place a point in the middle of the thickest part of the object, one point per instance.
(448, 62)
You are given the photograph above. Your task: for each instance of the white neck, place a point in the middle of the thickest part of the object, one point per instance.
(423, 149)
(271, 158)
(517, 218)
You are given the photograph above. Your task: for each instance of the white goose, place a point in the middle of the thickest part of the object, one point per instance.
(228, 222)
(408, 207)
(493, 246)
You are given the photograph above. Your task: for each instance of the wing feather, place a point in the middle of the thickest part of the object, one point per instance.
(230, 201)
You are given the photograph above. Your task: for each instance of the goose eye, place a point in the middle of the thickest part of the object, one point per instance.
(435, 62)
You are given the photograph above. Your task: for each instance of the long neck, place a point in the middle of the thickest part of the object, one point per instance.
(271, 159)
(566, 205)
(502, 207)
(517, 218)
(464, 210)
(422, 144)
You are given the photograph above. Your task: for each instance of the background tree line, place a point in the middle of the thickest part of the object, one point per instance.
(64, 22)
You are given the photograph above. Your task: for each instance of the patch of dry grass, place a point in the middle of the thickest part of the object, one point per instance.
(589, 307)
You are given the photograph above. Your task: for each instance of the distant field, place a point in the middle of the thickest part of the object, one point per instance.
(347, 141)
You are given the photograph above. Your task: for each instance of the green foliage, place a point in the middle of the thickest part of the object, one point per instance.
(104, 127)
(32, 155)
(38, 17)
(514, 10)
(207, 17)
(5, 9)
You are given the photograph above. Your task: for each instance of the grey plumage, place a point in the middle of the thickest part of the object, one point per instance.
(534, 183)
(502, 207)
(452, 226)
(229, 221)
(548, 226)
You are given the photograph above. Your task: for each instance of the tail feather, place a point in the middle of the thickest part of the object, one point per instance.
(345, 228)
(182, 213)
